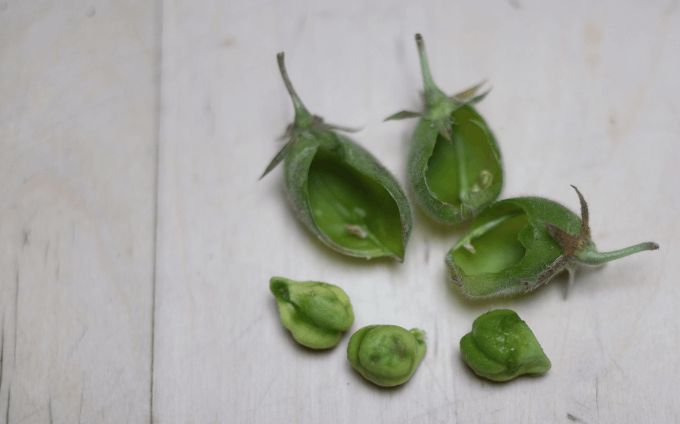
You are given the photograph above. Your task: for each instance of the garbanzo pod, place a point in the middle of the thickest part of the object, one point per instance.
(339, 190)
(316, 313)
(501, 347)
(516, 245)
(454, 163)
(387, 355)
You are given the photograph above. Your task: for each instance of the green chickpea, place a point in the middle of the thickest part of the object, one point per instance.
(501, 347)
(387, 355)
(315, 313)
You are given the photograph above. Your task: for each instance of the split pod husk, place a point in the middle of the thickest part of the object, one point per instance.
(339, 190)
(517, 245)
(454, 163)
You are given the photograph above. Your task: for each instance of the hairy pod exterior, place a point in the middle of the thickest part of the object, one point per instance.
(340, 191)
(454, 163)
(516, 245)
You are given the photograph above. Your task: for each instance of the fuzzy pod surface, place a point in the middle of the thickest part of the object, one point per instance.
(516, 245)
(454, 163)
(501, 347)
(387, 355)
(315, 313)
(340, 191)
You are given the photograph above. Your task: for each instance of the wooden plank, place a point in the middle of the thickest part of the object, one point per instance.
(77, 201)
(583, 94)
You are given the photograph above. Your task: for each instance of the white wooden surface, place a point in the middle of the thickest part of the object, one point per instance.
(136, 243)
(78, 96)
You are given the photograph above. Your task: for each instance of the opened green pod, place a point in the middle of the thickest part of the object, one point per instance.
(339, 190)
(454, 163)
(316, 313)
(387, 355)
(516, 245)
(501, 347)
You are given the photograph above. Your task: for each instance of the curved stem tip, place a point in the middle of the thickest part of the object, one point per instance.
(432, 93)
(302, 116)
(591, 257)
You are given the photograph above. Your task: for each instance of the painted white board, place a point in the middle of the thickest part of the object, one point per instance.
(583, 94)
(78, 126)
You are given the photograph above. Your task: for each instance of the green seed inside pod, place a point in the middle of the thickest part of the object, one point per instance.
(352, 209)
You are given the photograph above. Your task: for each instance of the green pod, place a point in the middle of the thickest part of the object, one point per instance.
(316, 313)
(387, 355)
(501, 347)
(454, 163)
(339, 190)
(516, 245)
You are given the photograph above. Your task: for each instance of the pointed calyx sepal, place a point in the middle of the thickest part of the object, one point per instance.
(282, 154)
(580, 249)
(439, 107)
(569, 244)
(589, 255)
(468, 96)
(404, 114)
(304, 121)
(572, 244)
(443, 126)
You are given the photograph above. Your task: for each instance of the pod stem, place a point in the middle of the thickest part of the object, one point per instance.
(433, 94)
(592, 257)
(302, 117)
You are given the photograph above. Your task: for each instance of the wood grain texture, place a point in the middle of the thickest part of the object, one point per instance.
(582, 94)
(105, 320)
(77, 195)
